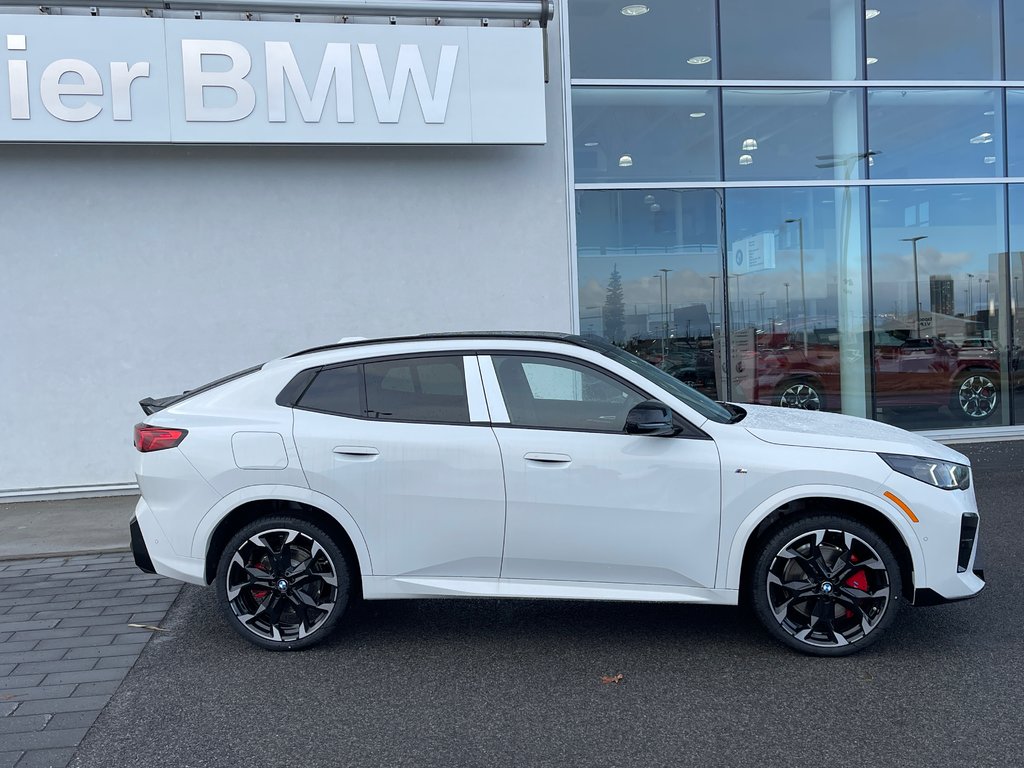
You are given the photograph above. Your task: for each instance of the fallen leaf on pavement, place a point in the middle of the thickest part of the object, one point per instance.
(618, 678)
(149, 626)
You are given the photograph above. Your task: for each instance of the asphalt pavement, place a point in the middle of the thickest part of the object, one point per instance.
(520, 683)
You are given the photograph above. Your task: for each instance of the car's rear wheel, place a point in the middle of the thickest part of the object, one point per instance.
(976, 395)
(282, 583)
(800, 393)
(825, 585)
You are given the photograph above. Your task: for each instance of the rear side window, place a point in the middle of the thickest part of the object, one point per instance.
(429, 389)
(336, 390)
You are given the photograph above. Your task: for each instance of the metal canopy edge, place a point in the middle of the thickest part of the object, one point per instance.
(540, 10)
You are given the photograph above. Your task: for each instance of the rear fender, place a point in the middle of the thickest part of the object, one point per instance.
(204, 531)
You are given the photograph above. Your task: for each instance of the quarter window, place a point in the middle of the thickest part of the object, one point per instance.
(337, 391)
(558, 394)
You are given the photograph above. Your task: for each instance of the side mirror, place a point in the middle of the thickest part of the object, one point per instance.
(650, 417)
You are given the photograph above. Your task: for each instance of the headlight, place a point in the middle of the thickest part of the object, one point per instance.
(941, 474)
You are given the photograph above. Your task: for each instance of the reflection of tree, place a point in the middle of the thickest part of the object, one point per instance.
(614, 312)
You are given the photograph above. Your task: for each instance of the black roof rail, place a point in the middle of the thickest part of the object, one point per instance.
(566, 338)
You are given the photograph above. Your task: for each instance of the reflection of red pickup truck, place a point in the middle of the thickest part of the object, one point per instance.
(908, 372)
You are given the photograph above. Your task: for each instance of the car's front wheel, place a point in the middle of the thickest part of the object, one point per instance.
(825, 585)
(282, 583)
(800, 393)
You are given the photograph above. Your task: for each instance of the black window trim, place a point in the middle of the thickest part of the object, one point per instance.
(362, 363)
(688, 431)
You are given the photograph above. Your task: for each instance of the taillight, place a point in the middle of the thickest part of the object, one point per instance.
(149, 438)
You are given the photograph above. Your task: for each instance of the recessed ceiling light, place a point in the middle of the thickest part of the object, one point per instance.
(749, 145)
(989, 159)
(989, 113)
(872, 60)
(871, 13)
(699, 60)
(589, 143)
(982, 138)
(655, 208)
(746, 159)
(625, 161)
(637, 9)
(698, 114)
(649, 200)
(882, 200)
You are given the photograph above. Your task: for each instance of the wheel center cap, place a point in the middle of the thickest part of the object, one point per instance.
(282, 585)
(826, 587)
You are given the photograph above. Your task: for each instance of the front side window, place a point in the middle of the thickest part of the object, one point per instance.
(431, 389)
(558, 394)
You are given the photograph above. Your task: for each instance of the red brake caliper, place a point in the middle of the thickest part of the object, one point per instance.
(259, 594)
(857, 581)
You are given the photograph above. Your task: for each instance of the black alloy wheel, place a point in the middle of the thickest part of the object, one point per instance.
(800, 394)
(282, 583)
(826, 586)
(976, 396)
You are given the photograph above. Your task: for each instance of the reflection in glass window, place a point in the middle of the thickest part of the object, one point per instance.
(1013, 33)
(797, 297)
(617, 39)
(933, 133)
(650, 278)
(559, 394)
(938, 254)
(933, 39)
(1017, 277)
(1015, 132)
(429, 389)
(775, 134)
(645, 134)
(791, 40)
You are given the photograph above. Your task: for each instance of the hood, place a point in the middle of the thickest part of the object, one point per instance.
(813, 429)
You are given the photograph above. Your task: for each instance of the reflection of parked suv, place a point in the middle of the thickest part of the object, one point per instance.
(908, 372)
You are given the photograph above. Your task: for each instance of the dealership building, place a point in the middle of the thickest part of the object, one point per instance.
(814, 203)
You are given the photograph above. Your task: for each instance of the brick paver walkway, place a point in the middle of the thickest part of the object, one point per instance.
(65, 647)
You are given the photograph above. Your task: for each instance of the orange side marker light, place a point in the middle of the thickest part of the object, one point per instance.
(899, 503)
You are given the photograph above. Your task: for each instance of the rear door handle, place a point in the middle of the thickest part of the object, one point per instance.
(548, 458)
(356, 450)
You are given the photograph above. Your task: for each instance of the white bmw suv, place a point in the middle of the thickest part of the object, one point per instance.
(539, 465)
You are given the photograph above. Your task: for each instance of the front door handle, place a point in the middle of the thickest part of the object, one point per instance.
(548, 458)
(356, 450)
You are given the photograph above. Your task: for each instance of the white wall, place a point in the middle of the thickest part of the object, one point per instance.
(128, 271)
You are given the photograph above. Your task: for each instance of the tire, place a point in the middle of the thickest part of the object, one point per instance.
(800, 393)
(826, 585)
(975, 395)
(304, 591)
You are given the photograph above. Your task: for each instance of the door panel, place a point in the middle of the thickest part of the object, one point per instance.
(428, 497)
(585, 500)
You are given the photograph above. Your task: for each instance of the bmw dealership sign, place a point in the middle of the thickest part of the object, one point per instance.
(127, 80)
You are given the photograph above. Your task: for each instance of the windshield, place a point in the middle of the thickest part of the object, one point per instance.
(704, 405)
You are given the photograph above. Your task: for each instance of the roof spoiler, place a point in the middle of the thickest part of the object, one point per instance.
(151, 405)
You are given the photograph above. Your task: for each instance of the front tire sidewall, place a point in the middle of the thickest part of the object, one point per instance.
(341, 568)
(757, 591)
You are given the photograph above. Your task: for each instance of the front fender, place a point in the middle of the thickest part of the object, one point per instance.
(729, 567)
(204, 531)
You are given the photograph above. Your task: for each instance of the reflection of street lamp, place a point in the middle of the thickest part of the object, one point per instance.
(789, 320)
(803, 292)
(987, 281)
(668, 309)
(917, 287)
(1016, 297)
(760, 318)
(713, 302)
(970, 295)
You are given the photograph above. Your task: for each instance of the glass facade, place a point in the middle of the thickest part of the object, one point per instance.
(775, 206)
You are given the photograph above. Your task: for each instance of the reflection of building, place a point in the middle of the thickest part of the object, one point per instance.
(940, 288)
(692, 321)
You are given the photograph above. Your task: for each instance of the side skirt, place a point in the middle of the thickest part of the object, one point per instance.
(399, 587)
